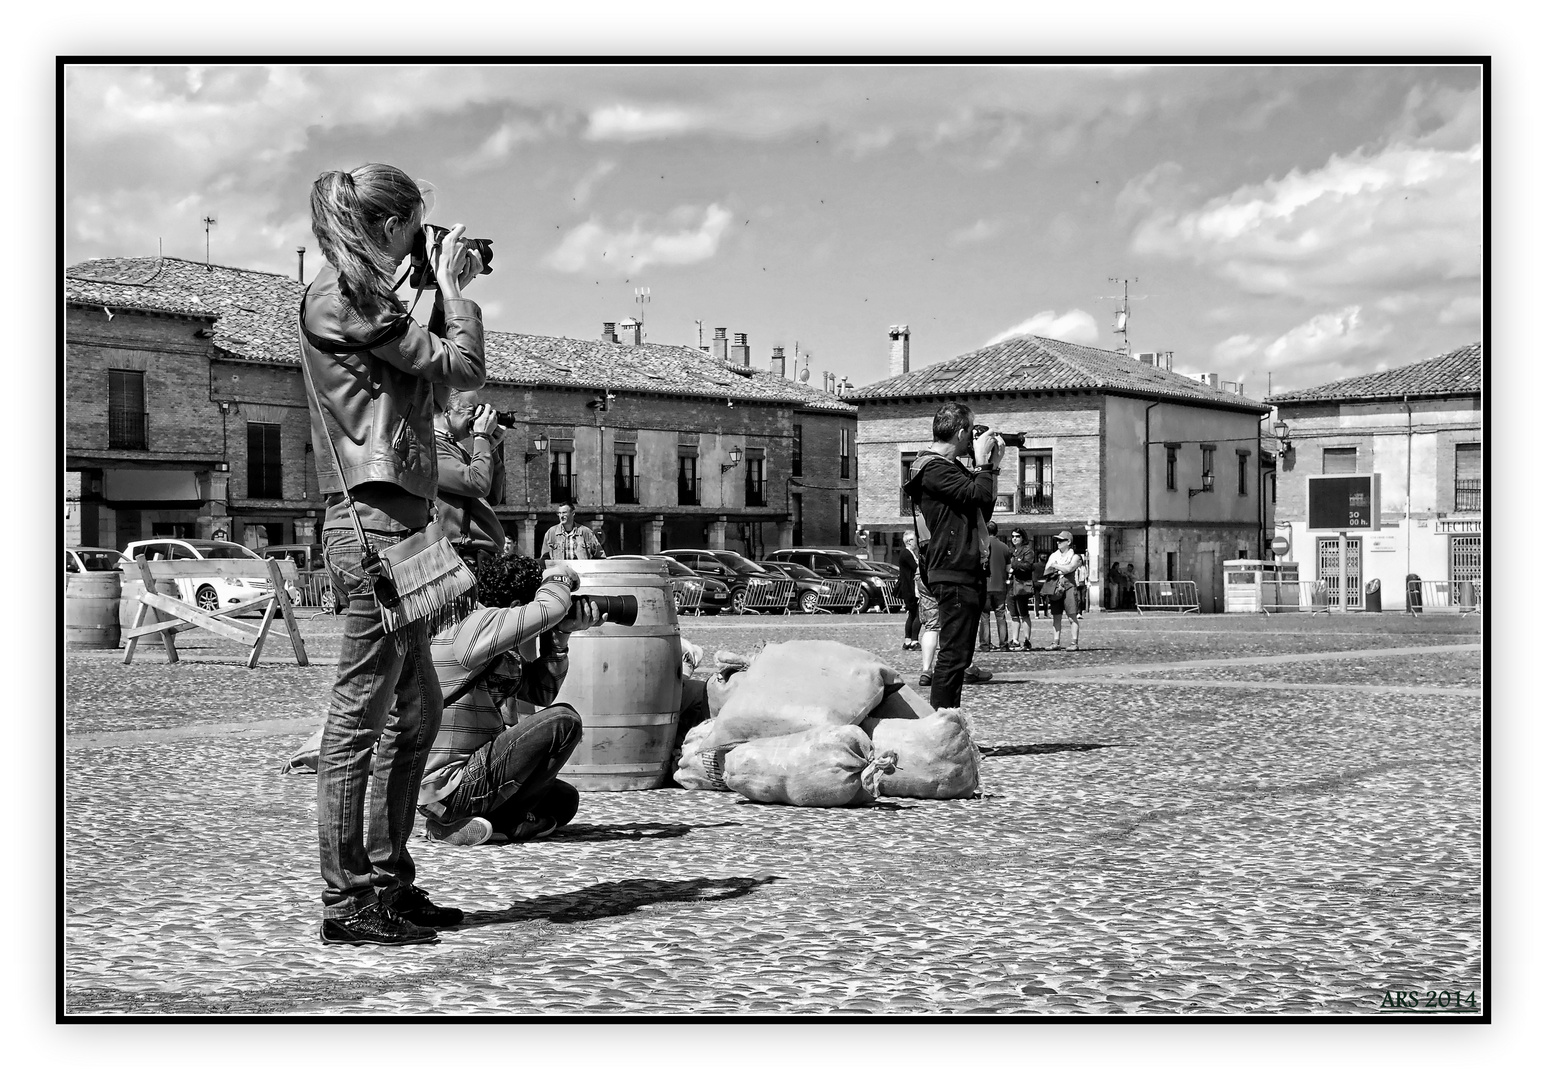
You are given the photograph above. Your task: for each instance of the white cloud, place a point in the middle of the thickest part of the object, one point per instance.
(1466, 310)
(620, 249)
(504, 140)
(1400, 218)
(1075, 326)
(980, 230)
(593, 176)
(630, 122)
(1324, 347)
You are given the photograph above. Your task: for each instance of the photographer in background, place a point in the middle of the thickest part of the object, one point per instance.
(569, 539)
(954, 504)
(491, 774)
(465, 477)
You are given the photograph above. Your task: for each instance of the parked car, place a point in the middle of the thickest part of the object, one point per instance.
(814, 593)
(691, 592)
(880, 588)
(751, 587)
(312, 580)
(211, 593)
(90, 559)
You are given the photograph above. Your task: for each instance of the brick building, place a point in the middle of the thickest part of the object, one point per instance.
(1418, 427)
(1092, 419)
(186, 414)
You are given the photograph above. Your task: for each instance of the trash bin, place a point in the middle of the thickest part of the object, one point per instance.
(1372, 595)
(1466, 596)
(1415, 594)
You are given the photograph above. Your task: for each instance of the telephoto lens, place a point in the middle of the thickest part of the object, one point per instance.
(619, 610)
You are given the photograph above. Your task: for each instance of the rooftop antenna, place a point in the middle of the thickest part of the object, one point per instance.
(700, 324)
(1121, 315)
(209, 219)
(642, 297)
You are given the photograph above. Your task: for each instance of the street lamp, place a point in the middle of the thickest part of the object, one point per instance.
(735, 460)
(1281, 430)
(539, 446)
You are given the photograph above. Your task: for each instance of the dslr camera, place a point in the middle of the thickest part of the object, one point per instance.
(1006, 438)
(619, 610)
(506, 417)
(422, 270)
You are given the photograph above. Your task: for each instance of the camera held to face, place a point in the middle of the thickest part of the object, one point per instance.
(422, 272)
(506, 418)
(620, 610)
(1006, 438)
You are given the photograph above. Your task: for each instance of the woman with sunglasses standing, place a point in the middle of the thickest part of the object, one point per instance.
(1024, 571)
(371, 372)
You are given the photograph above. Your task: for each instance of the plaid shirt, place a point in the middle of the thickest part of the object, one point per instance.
(578, 543)
(527, 665)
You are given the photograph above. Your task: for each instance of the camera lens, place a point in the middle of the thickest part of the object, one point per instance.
(620, 610)
(506, 418)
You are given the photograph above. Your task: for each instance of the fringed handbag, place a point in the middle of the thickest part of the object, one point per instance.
(419, 579)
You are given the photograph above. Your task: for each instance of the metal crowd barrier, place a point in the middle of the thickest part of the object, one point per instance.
(889, 597)
(768, 595)
(316, 589)
(1172, 596)
(1449, 597)
(689, 594)
(850, 595)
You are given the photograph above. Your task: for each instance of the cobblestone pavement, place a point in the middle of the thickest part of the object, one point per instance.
(1171, 842)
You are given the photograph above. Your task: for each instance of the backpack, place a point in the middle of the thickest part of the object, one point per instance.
(921, 529)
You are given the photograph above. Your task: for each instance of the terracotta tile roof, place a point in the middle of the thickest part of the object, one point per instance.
(255, 313)
(1459, 371)
(1037, 363)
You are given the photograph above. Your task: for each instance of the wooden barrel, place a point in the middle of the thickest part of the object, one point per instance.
(91, 609)
(625, 681)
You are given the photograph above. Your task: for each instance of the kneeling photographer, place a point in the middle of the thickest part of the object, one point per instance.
(467, 454)
(491, 773)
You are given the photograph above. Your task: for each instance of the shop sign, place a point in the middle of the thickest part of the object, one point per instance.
(1343, 503)
(1458, 526)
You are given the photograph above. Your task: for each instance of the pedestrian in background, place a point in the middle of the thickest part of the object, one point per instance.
(907, 588)
(1024, 568)
(1062, 577)
(997, 593)
(569, 539)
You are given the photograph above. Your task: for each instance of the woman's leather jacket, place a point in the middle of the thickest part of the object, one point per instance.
(373, 379)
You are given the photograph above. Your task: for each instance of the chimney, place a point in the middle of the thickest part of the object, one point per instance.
(610, 332)
(776, 365)
(719, 343)
(637, 327)
(741, 354)
(899, 336)
(300, 265)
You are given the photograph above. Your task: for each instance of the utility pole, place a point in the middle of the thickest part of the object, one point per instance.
(642, 297)
(1122, 313)
(700, 324)
(209, 219)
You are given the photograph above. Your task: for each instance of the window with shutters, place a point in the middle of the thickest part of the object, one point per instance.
(1242, 458)
(843, 520)
(623, 481)
(845, 448)
(561, 476)
(1469, 477)
(263, 467)
(1171, 449)
(126, 417)
(795, 454)
(1339, 460)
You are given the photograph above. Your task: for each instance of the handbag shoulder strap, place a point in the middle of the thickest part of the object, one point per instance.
(316, 405)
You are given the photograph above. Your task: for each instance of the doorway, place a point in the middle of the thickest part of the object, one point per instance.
(1351, 596)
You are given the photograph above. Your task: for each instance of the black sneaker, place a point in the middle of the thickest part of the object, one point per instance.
(976, 674)
(926, 679)
(415, 905)
(375, 925)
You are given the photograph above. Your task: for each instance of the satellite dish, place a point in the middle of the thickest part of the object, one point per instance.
(805, 374)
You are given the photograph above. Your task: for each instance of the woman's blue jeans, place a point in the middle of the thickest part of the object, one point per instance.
(383, 715)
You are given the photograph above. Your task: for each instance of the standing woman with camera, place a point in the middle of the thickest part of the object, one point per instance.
(370, 371)
(1062, 577)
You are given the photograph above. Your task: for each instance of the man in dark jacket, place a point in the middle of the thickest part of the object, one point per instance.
(907, 574)
(953, 504)
(466, 476)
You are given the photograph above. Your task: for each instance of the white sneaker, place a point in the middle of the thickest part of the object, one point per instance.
(462, 832)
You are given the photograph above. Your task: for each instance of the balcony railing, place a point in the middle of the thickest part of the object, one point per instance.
(687, 491)
(562, 489)
(756, 496)
(127, 431)
(624, 492)
(1036, 498)
(1469, 495)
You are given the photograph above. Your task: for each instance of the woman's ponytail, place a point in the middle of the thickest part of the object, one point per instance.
(348, 212)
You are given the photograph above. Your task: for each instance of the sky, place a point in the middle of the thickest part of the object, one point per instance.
(1312, 221)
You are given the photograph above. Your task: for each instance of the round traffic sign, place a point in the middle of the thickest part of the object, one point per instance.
(1280, 545)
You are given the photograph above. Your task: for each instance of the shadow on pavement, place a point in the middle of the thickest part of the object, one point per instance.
(610, 899)
(1022, 749)
(633, 830)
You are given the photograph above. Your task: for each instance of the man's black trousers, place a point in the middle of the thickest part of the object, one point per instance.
(960, 606)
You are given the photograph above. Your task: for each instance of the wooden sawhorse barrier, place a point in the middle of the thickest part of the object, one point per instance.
(186, 616)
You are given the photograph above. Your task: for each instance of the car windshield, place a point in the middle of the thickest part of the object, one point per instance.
(796, 571)
(220, 549)
(851, 565)
(739, 563)
(674, 568)
(98, 560)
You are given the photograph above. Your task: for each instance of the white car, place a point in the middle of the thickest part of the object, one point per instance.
(211, 593)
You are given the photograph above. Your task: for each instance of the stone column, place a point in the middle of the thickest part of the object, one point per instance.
(1095, 556)
(653, 529)
(717, 533)
(213, 514)
(526, 535)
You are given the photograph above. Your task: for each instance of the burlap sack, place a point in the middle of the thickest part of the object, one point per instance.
(935, 757)
(796, 685)
(823, 766)
(701, 761)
